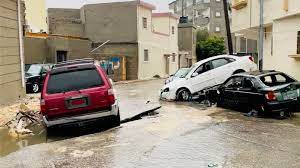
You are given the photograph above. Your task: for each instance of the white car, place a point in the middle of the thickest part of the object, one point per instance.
(206, 73)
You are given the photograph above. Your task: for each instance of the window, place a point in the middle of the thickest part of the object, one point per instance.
(173, 30)
(218, 29)
(146, 55)
(68, 81)
(203, 68)
(173, 57)
(276, 79)
(219, 62)
(298, 43)
(218, 14)
(145, 24)
(218, 0)
(234, 82)
(61, 56)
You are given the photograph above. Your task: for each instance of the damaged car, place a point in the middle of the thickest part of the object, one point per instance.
(261, 91)
(206, 73)
(179, 74)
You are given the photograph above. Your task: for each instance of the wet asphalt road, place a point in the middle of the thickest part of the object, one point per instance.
(181, 135)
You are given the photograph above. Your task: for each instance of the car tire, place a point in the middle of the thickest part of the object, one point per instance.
(183, 95)
(116, 120)
(282, 115)
(35, 88)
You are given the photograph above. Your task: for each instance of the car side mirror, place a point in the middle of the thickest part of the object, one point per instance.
(194, 74)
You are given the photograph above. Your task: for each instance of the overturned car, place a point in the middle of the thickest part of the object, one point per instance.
(206, 73)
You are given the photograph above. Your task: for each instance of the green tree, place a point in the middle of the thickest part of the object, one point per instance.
(209, 45)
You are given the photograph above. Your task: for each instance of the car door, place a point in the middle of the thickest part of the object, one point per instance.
(201, 78)
(248, 95)
(221, 70)
(229, 90)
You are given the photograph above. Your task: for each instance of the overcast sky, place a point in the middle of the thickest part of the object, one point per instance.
(162, 5)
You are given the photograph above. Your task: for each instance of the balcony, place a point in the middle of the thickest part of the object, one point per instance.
(239, 4)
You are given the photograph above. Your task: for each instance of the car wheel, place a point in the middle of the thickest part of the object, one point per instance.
(116, 120)
(35, 88)
(282, 115)
(183, 95)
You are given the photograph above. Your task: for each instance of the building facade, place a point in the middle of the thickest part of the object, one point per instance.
(281, 35)
(130, 30)
(11, 87)
(205, 14)
(36, 16)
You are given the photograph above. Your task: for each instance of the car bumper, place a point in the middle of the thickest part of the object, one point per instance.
(171, 95)
(280, 106)
(80, 118)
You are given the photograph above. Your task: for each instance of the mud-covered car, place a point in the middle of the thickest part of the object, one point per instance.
(262, 91)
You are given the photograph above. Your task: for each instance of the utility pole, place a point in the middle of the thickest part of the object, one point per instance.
(182, 3)
(261, 36)
(228, 30)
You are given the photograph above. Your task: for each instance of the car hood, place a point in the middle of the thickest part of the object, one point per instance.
(29, 75)
(176, 83)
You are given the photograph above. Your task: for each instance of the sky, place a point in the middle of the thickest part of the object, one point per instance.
(161, 5)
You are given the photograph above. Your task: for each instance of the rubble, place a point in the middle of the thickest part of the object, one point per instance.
(19, 117)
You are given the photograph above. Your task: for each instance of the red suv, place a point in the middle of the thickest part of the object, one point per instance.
(77, 91)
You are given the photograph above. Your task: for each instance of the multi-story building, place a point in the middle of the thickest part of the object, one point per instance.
(207, 14)
(282, 32)
(148, 41)
(11, 77)
(36, 16)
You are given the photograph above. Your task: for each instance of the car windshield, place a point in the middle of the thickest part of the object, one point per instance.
(276, 79)
(181, 73)
(68, 81)
(33, 69)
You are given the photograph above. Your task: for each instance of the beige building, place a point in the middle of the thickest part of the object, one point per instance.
(36, 15)
(11, 87)
(282, 31)
(147, 41)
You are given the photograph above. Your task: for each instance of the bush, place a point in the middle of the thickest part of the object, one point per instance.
(209, 45)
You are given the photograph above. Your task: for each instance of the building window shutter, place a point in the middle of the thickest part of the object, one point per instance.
(145, 22)
(298, 43)
(146, 55)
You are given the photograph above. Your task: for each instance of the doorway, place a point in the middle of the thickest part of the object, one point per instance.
(61, 56)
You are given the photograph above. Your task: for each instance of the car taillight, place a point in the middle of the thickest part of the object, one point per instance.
(43, 106)
(111, 96)
(251, 59)
(271, 96)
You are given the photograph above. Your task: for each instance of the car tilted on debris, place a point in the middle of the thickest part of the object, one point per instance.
(261, 91)
(206, 73)
(76, 91)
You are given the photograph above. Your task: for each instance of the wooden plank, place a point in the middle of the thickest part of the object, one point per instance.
(9, 51)
(8, 69)
(10, 77)
(9, 4)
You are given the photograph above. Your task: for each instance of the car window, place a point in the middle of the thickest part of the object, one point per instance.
(234, 82)
(34, 69)
(219, 62)
(200, 69)
(68, 81)
(181, 73)
(247, 83)
(276, 79)
(203, 68)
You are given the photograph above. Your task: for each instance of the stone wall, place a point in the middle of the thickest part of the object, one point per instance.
(36, 50)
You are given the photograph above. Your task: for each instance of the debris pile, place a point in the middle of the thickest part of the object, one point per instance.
(23, 120)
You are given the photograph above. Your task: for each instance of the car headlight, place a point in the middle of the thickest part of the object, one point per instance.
(166, 90)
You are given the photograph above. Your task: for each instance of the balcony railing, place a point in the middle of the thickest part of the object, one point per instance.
(239, 4)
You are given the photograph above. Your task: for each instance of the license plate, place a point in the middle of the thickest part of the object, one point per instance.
(290, 95)
(77, 102)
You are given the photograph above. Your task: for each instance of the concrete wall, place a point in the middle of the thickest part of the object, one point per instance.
(65, 22)
(110, 21)
(160, 43)
(284, 44)
(36, 15)
(10, 67)
(36, 50)
(75, 48)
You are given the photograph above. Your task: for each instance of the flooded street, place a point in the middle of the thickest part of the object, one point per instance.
(180, 135)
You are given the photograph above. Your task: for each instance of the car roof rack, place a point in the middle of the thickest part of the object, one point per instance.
(76, 61)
